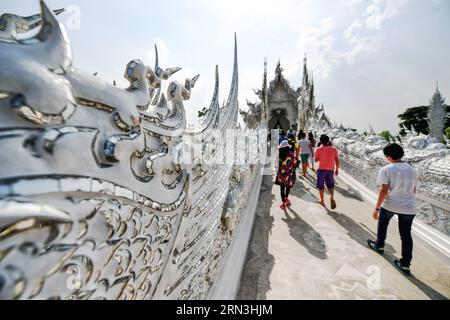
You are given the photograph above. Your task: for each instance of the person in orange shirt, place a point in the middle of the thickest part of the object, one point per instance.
(328, 159)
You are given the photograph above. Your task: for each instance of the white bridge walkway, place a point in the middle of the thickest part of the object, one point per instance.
(309, 252)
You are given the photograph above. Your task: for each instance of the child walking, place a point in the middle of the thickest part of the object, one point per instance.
(328, 159)
(306, 152)
(312, 141)
(285, 175)
(398, 182)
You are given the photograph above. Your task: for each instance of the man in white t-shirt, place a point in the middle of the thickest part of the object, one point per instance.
(398, 182)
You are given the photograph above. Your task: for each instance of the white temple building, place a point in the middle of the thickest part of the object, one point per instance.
(287, 106)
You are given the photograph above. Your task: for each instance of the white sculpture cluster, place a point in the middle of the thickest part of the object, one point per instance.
(95, 202)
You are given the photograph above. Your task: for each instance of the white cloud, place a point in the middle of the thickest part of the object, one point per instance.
(317, 36)
(353, 2)
(352, 30)
(360, 34)
(359, 40)
(251, 8)
(381, 10)
(319, 44)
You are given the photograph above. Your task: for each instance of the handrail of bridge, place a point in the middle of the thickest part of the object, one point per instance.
(226, 285)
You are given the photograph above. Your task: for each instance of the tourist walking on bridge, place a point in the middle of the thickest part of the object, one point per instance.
(282, 136)
(328, 159)
(285, 174)
(295, 149)
(293, 130)
(306, 152)
(313, 143)
(398, 182)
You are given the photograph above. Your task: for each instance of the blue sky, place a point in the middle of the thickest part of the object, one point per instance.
(371, 58)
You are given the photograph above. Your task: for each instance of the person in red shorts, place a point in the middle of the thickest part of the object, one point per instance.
(328, 159)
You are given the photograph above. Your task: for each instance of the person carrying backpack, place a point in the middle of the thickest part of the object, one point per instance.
(285, 175)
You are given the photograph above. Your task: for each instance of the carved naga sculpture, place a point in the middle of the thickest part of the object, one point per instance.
(14, 27)
(93, 202)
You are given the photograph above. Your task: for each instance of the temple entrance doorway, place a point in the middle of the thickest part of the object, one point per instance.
(278, 120)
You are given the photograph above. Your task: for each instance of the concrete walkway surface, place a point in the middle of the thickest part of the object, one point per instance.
(310, 252)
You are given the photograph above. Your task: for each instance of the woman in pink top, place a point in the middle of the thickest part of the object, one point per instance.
(328, 159)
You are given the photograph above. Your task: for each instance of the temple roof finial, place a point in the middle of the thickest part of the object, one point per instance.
(305, 72)
(278, 70)
(264, 87)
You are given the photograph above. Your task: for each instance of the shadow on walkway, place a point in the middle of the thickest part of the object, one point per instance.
(348, 193)
(310, 179)
(300, 191)
(430, 292)
(359, 234)
(305, 235)
(255, 278)
(356, 231)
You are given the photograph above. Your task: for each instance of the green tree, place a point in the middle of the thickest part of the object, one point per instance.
(447, 133)
(387, 136)
(417, 118)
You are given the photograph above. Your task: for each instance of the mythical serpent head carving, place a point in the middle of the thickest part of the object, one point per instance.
(14, 27)
(32, 73)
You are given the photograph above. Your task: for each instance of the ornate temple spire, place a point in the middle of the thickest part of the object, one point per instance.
(436, 115)
(312, 98)
(278, 69)
(264, 86)
(264, 93)
(305, 72)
